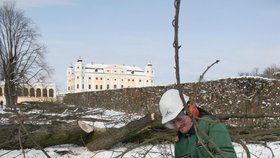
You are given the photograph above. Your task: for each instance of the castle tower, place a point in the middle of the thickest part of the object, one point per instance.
(149, 71)
(70, 79)
(79, 69)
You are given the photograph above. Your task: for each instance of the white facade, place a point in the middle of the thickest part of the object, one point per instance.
(94, 77)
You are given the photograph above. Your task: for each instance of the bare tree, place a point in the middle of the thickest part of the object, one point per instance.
(270, 72)
(21, 55)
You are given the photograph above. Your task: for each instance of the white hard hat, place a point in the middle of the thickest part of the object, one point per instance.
(170, 105)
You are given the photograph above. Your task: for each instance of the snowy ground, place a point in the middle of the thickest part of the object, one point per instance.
(118, 119)
(164, 151)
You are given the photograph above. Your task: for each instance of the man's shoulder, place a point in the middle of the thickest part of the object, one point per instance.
(211, 118)
(207, 121)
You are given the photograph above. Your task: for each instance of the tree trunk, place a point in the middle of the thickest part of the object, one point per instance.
(10, 82)
(45, 135)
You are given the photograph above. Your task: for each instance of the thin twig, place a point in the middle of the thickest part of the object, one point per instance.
(202, 143)
(265, 145)
(239, 141)
(200, 79)
(199, 130)
(145, 143)
(20, 142)
(202, 75)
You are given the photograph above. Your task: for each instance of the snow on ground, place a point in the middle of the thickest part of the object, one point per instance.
(160, 151)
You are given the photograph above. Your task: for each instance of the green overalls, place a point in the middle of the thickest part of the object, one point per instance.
(190, 146)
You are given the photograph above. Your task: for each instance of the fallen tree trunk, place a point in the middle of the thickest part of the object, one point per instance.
(45, 135)
(71, 133)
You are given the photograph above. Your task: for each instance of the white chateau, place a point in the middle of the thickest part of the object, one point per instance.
(95, 77)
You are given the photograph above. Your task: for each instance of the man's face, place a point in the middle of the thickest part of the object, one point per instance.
(183, 123)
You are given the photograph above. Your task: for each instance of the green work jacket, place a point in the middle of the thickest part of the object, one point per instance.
(190, 145)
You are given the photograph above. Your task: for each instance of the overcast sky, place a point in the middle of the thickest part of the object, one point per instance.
(243, 34)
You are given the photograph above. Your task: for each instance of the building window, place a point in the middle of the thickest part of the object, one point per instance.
(51, 93)
(77, 86)
(108, 86)
(96, 78)
(101, 87)
(45, 92)
(25, 92)
(132, 80)
(19, 92)
(83, 86)
(32, 92)
(89, 86)
(96, 86)
(38, 92)
(122, 86)
(77, 77)
(89, 78)
(115, 86)
(140, 81)
(128, 80)
(101, 78)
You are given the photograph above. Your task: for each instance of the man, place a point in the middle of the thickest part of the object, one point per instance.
(192, 142)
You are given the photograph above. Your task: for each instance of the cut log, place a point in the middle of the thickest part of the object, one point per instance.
(113, 136)
(85, 127)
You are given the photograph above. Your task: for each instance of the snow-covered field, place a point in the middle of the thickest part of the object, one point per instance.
(119, 119)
